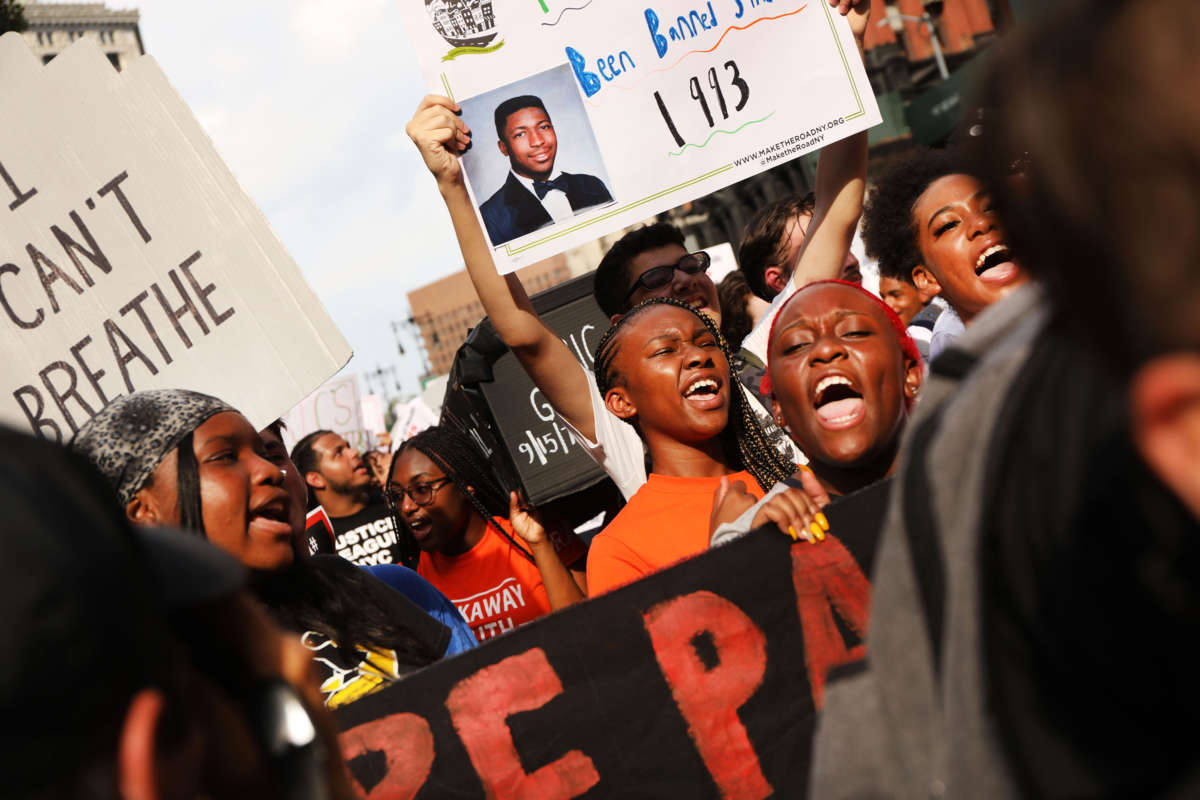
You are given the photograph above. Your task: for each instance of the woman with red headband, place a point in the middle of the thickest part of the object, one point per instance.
(843, 375)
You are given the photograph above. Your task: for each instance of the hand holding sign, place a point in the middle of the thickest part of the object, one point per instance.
(440, 136)
(631, 108)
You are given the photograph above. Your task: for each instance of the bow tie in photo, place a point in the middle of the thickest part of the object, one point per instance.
(543, 187)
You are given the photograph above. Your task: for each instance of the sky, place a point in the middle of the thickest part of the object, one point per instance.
(306, 100)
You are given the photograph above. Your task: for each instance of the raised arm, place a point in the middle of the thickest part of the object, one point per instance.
(440, 136)
(841, 182)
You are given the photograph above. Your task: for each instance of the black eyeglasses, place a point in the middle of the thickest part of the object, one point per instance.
(656, 278)
(422, 493)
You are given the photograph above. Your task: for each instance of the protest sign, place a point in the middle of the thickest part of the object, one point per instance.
(412, 417)
(487, 378)
(335, 405)
(130, 258)
(588, 117)
(700, 681)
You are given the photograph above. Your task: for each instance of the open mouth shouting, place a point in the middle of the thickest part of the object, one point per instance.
(838, 403)
(704, 392)
(272, 518)
(995, 265)
(420, 525)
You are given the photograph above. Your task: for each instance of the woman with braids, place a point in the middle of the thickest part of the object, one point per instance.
(447, 496)
(842, 375)
(664, 367)
(188, 460)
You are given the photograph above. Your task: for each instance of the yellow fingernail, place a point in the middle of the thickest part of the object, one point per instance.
(816, 529)
(792, 533)
(823, 521)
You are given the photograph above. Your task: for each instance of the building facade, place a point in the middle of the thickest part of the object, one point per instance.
(446, 309)
(54, 26)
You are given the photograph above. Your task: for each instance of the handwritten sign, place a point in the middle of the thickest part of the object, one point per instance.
(130, 258)
(335, 405)
(587, 117)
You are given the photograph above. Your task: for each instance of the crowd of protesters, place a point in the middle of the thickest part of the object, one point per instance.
(1025, 387)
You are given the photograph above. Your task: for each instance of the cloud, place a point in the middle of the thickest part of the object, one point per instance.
(306, 100)
(333, 32)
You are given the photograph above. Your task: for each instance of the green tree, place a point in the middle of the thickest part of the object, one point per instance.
(12, 16)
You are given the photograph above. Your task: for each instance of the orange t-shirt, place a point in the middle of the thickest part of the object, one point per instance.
(494, 585)
(665, 521)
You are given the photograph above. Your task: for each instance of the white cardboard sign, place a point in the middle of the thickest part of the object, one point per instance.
(130, 258)
(336, 405)
(650, 103)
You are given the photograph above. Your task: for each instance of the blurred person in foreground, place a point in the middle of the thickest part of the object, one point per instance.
(135, 664)
(1038, 596)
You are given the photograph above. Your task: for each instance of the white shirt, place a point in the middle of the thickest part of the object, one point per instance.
(946, 328)
(555, 202)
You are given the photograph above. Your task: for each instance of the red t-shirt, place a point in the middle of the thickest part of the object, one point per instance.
(665, 521)
(493, 584)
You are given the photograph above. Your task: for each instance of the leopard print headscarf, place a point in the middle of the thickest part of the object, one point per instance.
(129, 437)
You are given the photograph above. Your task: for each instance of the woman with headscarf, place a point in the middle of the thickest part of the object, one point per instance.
(186, 459)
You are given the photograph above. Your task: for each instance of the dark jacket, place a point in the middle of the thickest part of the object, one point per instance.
(514, 211)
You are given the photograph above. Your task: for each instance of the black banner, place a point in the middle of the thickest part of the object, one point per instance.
(700, 681)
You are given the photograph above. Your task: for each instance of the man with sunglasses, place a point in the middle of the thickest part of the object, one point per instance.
(634, 269)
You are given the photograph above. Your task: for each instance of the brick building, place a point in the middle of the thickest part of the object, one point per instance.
(446, 309)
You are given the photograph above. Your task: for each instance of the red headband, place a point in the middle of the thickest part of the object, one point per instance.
(907, 345)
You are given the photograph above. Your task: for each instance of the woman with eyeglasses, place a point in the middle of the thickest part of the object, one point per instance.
(479, 546)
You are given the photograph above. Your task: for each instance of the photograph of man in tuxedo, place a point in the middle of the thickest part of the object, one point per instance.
(535, 194)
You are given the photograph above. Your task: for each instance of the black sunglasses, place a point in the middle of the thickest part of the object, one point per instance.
(656, 278)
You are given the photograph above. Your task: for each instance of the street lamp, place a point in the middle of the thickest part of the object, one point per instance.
(933, 8)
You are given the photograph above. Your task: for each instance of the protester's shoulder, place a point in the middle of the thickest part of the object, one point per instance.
(612, 542)
(402, 579)
(333, 565)
(926, 317)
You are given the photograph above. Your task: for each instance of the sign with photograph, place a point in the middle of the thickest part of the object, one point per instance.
(587, 117)
(130, 258)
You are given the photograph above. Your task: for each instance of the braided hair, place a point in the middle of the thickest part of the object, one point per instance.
(743, 438)
(462, 462)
